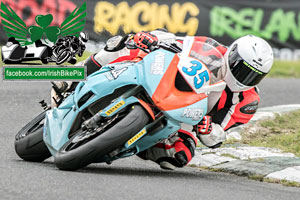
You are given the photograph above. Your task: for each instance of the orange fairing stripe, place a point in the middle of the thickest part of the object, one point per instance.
(147, 107)
(167, 97)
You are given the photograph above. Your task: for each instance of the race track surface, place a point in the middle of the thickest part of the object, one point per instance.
(130, 178)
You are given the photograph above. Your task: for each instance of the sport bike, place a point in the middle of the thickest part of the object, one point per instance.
(125, 108)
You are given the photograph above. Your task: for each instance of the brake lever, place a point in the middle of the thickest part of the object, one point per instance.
(129, 43)
(170, 47)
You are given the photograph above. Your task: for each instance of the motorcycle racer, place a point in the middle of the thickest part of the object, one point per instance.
(67, 42)
(248, 60)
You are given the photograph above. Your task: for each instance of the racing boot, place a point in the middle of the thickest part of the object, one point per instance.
(173, 152)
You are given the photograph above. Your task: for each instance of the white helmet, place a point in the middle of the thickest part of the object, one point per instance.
(248, 60)
(83, 36)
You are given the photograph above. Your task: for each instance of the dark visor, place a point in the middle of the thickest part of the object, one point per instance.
(243, 71)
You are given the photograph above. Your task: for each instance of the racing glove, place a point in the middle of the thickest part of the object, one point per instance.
(210, 134)
(145, 40)
(205, 126)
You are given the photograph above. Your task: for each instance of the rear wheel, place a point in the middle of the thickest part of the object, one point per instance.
(29, 144)
(85, 147)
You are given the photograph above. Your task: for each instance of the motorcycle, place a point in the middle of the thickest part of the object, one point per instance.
(66, 51)
(125, 108)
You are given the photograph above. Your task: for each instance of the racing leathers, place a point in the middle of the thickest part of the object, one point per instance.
(226, 109)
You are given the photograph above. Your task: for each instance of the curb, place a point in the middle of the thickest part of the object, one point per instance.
(262, 163)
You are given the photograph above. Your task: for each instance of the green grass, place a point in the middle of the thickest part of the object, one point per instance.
(285, 69)
(283, 133)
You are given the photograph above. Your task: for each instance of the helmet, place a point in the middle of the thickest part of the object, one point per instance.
(248, 61)
(83, 36)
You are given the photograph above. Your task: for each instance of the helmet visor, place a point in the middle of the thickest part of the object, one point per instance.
(243, 71)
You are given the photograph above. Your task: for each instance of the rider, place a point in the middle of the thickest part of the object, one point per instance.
(248, 60)
(77, 44)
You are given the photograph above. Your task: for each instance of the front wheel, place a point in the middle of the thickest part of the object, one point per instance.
(63, 57)
(29, 144)
(85, 147)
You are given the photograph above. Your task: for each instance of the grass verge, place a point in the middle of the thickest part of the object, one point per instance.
(285, 69)
(283, 133)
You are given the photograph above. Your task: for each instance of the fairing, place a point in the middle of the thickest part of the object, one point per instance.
(156, 74)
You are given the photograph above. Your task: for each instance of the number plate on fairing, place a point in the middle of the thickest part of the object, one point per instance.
(194, 72)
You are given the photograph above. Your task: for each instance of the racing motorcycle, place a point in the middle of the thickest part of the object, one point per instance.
(65, 50)
(125, 108)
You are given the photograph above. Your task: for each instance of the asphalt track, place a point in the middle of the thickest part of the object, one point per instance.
(129, 178)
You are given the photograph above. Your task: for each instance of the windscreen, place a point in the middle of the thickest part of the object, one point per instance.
(211, 57)
(201, 65)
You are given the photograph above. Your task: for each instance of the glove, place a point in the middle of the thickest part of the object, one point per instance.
(205, 126)
(210, 134)
(145, 40)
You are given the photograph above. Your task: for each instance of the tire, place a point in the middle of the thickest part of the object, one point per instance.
(29, 144)
(63, 57)
(108, 141)
(44, 60)
(73, 61)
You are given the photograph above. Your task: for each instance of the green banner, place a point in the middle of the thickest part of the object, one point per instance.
(43, 73)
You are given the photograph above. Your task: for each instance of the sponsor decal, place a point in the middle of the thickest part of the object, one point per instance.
(136, 137)
(195, 114)
(250, 108)
(115, 107)
(157, 67)
(114, 74)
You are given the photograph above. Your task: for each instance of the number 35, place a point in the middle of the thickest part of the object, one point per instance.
(201, 78)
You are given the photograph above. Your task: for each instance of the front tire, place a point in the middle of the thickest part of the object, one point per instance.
(29, 144)
(63, 57)
(68, 158)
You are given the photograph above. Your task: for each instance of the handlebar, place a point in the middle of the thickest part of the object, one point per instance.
(130, 44)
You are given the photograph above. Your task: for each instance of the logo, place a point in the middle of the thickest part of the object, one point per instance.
(114, 74)
(157, 67)
(136, 137)
(195, 114)
(115, 107)
(15, 27)
(250, 108)
(43, 42)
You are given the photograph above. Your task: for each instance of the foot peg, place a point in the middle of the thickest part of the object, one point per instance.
(44, 105)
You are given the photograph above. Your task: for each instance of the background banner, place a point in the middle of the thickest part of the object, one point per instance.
(225, 20)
